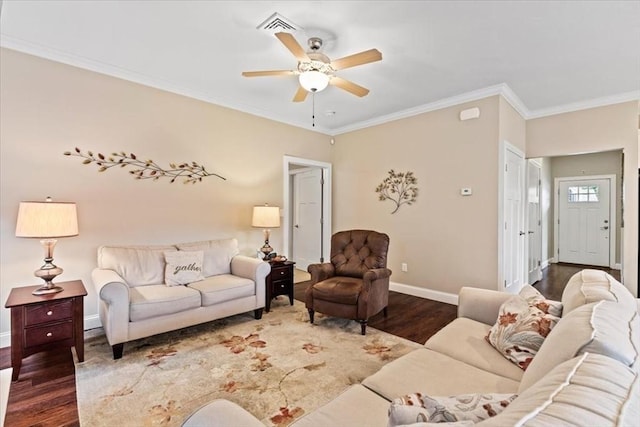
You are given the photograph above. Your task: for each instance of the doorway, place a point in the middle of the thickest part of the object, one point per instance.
(534, 221)
(314, 237)
(585, 214)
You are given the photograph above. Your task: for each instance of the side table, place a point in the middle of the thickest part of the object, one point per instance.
(279, 281)
(42, 322)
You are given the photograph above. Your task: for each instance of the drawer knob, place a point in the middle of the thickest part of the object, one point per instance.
(49, 313)
(49, 334)
(281, 273)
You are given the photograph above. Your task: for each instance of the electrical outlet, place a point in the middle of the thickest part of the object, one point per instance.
(403, 267)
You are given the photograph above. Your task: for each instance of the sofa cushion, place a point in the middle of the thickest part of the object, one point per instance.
(223, 287)
(603, 327)
(463, 339)
(137, 265)
(217, 254)
(182, 267)
(589, 286)
(588, 390)
(520, 330)
(356, 406)
(419, 408)
(159, 300)
(436, 374)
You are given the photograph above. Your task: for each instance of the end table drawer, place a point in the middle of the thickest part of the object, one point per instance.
(282, 286)
(48, 333)
(48, 312)
(281, 273)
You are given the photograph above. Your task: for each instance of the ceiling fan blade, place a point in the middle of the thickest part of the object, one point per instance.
(300, 95)
(350, 87)
(371, 55)
(268, 73)
(292, 44)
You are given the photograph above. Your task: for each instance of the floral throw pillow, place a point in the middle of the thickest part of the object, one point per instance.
(535, 298)
(469, 408)
(183, 267)
(520, 330)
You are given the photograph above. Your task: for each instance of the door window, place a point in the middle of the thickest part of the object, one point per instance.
(583, 193)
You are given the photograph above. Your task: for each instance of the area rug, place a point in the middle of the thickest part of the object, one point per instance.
(278, 368)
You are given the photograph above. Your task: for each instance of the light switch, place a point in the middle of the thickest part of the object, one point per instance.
(466, 191)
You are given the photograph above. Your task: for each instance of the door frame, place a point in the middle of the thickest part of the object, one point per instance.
(613, 213)
(536, 164)
(502, 161)
(287, 162)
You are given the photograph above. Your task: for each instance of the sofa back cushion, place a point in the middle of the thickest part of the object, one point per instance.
(137, 265)
(588, 390)
(217, 254)
(589, 286)
(603, 327)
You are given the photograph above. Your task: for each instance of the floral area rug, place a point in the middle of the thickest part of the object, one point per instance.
(277, 368)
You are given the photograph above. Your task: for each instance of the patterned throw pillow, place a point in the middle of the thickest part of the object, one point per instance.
(521, 328)
(535, 298)
(462, 410)
(183, 267)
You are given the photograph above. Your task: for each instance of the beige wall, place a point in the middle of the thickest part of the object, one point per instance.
(606, 163)
(447, 240)
(48, 108)
(606, 128)
(512, 126)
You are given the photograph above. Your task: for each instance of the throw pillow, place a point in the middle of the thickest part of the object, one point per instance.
(520, 330)
(420, 408)
(183, 267)
(535, 298)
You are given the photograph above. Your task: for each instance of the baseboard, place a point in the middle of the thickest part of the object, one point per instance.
(546, 263)
(90, 322)
(617, 266)
(424, 293)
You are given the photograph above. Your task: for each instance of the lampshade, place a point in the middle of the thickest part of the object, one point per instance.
(313, 81)
(266, 216)
(46, 220)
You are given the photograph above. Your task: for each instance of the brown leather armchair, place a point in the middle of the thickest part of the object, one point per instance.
(355, 284)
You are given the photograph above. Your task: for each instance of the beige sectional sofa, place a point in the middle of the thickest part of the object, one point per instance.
(136, 300)
(586, 373)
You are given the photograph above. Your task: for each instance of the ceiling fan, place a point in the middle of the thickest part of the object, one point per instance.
(315, 70)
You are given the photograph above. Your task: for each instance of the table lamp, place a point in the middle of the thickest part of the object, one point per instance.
(266, 217)
(47, 220)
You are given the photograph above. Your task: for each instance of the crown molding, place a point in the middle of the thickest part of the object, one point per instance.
(585, 105)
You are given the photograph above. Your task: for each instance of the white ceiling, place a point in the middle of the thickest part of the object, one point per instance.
(545, 57)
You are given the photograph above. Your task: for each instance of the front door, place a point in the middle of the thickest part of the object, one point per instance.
(584, 223)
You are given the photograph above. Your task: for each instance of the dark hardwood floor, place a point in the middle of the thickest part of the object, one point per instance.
(45, 394)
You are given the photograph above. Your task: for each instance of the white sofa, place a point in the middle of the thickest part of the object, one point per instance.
(586, 372)
(135, 301)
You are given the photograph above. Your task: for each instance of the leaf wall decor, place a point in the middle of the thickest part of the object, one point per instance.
(190, 173)
(399, 187)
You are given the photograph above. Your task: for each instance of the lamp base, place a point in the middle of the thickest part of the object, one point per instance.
(46, 289)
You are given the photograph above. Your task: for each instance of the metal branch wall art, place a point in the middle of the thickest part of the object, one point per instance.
(398, 187)
(145, 169)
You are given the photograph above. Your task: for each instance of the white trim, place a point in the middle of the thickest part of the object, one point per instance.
(585, 105)
(545, 263)
(90, 322)
(416, 291)
(499, 89)
(286, 202)
(613, 213)
(617, 266)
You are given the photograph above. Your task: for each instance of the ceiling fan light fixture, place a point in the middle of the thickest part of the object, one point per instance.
(313, 80)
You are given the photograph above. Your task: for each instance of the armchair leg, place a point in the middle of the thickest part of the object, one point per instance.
(311, 313)
(384, 311)
(117, 350)
(363, 327)
(257, 313)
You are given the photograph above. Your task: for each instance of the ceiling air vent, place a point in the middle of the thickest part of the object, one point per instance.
(277, 23)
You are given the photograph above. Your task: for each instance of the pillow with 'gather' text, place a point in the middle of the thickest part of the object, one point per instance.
(520, 330)
(183, 267)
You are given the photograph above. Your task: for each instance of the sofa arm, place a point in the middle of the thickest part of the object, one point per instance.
(254, 269)
(320, 272)
(481, 305)
(114, 304)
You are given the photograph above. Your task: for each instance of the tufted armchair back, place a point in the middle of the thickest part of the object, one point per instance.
(353, 252)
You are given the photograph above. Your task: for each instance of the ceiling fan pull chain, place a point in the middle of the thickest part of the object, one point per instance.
(313, 109)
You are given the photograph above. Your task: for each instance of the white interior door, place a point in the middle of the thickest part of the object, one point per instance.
(514, 234)
(534, 220)
(584, 222)
(307, 217)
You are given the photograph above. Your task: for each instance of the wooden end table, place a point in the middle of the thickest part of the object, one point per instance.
(279, 281)
(42, 322)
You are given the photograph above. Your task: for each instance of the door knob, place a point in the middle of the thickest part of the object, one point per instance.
(606, 227)
(296, 226)
(531, 232)
(522, 233)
